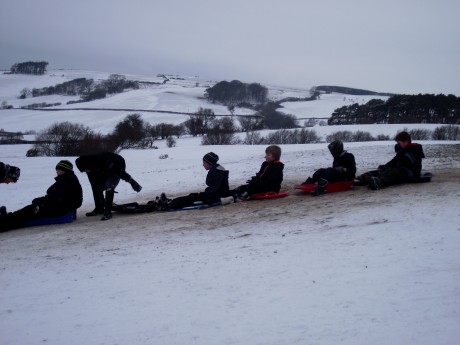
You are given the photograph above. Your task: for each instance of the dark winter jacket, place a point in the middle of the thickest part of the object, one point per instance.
(63, 196)
(409, 158)
(217, 182)
(346, 160)
(104, 164)
(268, 179)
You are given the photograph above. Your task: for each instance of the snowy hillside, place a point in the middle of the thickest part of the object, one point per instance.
(179, 94)
(359, 267)
(356, 268)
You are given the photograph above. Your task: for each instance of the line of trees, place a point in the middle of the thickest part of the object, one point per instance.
(427, 108)
(237, 93)
(88, 89)
(29, 67)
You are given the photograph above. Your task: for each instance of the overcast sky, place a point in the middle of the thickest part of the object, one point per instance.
(402, 46)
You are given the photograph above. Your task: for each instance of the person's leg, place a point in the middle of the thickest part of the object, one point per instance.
(185, 201)
(97, 186)
(317, 175)
(326, 175)
(331, 175)
(363, 179)
(19, 218)
(110, 185)
(393, 176)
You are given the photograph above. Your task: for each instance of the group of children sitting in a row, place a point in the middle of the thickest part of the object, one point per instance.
(105, 170)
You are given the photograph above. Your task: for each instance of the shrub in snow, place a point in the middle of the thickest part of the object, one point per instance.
(251, 123)
(69, 139)
(132, 132)
(220, 132)
(449, 132)
(170, 142)
(420, 134)
(284, 136)
(198, 123)
(253, 138)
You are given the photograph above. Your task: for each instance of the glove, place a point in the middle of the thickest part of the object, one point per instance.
(136, 186)
(251, 180)
(340, 170)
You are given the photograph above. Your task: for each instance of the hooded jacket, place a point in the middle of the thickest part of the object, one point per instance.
(63, 196)
(268, 179)
(409, 158)
(346, 160)
(217, 182)
(104, 164)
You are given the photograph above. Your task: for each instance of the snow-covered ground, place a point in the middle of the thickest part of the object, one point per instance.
(358, 267)
(325, 106)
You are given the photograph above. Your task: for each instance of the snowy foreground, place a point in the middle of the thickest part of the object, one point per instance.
(357, 267)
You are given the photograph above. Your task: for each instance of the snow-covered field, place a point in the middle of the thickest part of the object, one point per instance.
(181, 94)
(358, 267)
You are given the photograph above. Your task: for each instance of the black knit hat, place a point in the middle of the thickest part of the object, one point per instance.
(211, 158)
(65, 166)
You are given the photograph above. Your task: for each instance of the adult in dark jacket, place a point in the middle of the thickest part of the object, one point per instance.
(217, 186)
(9, 173)
(64, 196)
(405, 166)
(269, 177)
(343, 169)
(104, 173)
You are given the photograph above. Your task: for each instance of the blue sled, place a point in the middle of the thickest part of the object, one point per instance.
(67, 218)
(197, 207)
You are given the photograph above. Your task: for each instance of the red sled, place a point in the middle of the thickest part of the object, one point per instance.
(269, 195)
(330, 187)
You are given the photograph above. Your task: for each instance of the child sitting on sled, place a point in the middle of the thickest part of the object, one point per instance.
(217, 187)
(268, 179)
(343, 169)
(405, 166)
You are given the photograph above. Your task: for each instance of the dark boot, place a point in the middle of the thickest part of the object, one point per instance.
(320, 188)
(95, 212)
(163, 202)
(109, 193)
(98, 202)
(375, 183)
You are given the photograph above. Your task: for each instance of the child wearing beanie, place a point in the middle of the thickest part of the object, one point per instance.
(216, 182)
(62, 197)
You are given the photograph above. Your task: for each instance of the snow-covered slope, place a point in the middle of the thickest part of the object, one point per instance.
(179, 94)
(359, 267)
(356, 267)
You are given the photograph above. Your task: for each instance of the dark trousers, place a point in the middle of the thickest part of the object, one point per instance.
(253, 188)
(189, 200)
(393, 176)
(19, 218)
(99, 184)
(329, 174)
(389, 176)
